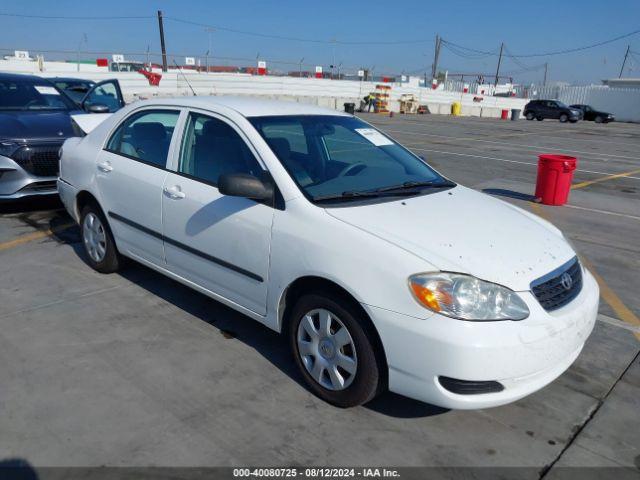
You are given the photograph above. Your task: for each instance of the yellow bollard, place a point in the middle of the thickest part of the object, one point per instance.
(456, 108)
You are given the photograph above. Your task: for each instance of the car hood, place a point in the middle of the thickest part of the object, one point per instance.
(34, 125)
(461, 230)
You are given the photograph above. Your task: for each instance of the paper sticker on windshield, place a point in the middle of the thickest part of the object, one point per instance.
(44, 90)
(374, 136)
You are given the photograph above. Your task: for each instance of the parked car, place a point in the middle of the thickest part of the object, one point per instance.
(75, 88)
(35, 119)
(591, 114)
(554, 109)
(381, 272)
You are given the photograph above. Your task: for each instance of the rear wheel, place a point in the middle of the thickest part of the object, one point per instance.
(563, 118)
(530, 116)
(334, 350)
(98, 242)
(539, 118)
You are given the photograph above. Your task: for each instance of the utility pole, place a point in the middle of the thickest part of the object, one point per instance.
(546, 68)
(499, 62)
(300, 67)
(624, 61)
(162, 47)
(436, 56)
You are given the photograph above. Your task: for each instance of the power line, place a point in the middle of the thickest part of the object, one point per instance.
(299, 39)
(66, 17)
(551, 53)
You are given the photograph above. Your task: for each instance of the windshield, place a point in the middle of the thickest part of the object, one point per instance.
(560, 104)
(75, 89)
(329, 156)
(19, 94)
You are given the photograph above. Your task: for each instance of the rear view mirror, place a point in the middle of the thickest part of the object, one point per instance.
(243, 185)
(98, 108)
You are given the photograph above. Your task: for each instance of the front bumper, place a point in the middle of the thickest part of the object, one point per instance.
(16, 183)
(523, 356)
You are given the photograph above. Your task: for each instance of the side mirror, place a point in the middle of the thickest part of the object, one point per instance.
(98, 108)
(243, 185)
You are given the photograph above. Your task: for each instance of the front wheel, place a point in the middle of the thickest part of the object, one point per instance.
(530, 116)
(98, 242)
(599, 119)
(539, 118)
(334, 350)
(563, 118)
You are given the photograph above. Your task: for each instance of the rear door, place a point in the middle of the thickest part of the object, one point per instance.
(221, 243)
(553, 110)
(130, 174)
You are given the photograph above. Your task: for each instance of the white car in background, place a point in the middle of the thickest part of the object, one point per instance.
(382, 273)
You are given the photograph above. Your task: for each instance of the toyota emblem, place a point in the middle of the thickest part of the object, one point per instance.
(566, 281)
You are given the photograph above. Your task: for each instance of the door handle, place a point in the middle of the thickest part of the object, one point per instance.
(174, 192)
(105, 167)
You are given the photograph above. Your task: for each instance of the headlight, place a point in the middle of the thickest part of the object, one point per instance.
(466, 298)
(8, 148)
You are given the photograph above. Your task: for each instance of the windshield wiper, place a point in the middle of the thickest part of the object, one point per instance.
(350, 195)
(417, 184)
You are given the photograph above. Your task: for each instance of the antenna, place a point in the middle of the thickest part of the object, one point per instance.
(185, 77)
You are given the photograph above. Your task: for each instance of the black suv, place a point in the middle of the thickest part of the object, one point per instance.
(541, 109)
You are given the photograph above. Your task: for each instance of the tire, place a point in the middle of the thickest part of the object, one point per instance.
(599, 119)
(97, 240)
(539, 118)
(563, 118)
(573, 121)
(530, 116)
(305, 324)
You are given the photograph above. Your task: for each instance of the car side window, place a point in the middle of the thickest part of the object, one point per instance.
(145, 136)
(211, 147)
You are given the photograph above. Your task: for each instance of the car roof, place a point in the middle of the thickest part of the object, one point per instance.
(247, 106)
(70, 79)
(21, 76)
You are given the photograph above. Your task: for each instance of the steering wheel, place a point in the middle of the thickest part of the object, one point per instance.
(350, 168)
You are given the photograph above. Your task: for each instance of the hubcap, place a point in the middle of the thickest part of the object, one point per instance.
(327, 350)
(93, 235)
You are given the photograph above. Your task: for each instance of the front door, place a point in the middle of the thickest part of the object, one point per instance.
(130, 173)
(106, 94)
(219, 242)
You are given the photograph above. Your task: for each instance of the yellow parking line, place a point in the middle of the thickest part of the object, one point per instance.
(603, 179)
(608, 295)
(30, 237)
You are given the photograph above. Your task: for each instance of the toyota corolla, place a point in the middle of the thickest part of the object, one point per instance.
(381, 272)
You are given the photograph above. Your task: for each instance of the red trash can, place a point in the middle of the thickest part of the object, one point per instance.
(555, 174)
(504, 115)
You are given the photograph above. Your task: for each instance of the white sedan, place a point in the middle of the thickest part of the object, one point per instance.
(382, 273)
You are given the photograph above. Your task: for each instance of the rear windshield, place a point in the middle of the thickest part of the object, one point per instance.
(28, 94)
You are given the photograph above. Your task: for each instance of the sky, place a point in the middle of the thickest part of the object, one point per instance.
(351, 33)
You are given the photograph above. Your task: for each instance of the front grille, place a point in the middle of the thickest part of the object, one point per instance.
(39, 160)
(559, 287)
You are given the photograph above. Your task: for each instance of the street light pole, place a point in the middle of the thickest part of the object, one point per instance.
(499, 62)
(624, 61)
(209, 30)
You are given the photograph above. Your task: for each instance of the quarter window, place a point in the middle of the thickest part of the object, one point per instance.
(211, 148)
(145, 136)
